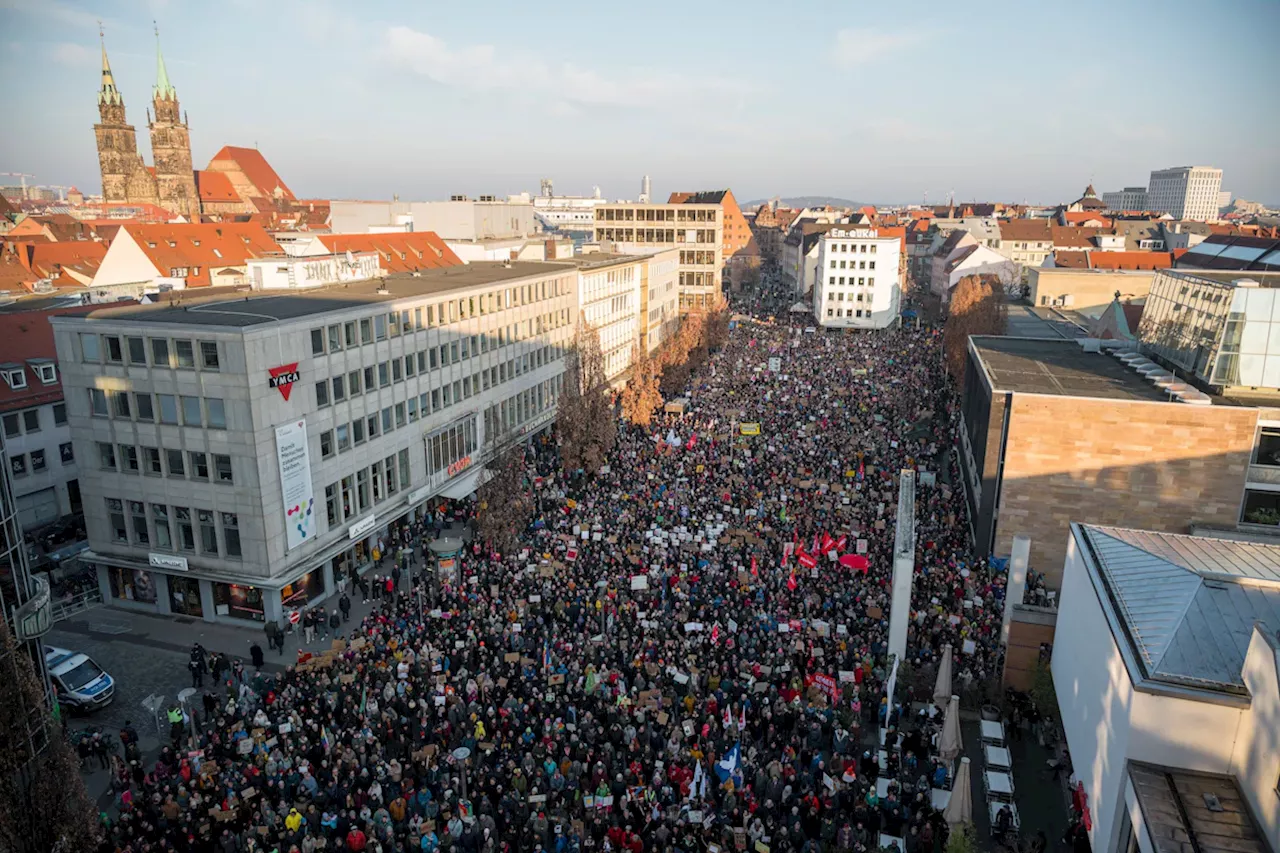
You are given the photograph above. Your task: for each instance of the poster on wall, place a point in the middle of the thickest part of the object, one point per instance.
(295, 483)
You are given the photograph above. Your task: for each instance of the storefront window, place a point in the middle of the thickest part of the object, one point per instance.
(306, 588)
(132, 585)
(185, 595)
(240, 602)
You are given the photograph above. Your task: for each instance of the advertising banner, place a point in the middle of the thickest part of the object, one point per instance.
(297, 497)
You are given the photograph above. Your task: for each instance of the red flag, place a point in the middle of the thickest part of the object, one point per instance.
(693, 440)
(791, 582)
(755, 570)
(839, 544)
(855, 562)
(715, 632)
(827, 542)
(805, 559)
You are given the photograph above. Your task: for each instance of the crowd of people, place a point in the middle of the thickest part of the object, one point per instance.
(676, 658)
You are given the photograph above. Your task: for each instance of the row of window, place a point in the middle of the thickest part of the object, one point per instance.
(861, 282)
(345, 436)
(177, 528)
(507, 415)
(853, 247)
(654, 214)
(840, 312)
(20, 464)
(176, 409)
(862, 265)
(839, 297)
(176, 353)
(165, 461)
(15, 375)
(357, 493)
(357, 333)
(27, 422)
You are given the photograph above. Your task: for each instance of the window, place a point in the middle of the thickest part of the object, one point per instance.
(393, 320)
(349, 334)
(317, 342)
(335, 338)
(384, 375)
(326, 444)
(322, 393)
(151, 458)
(12, 426)
(97, 402)
(107, 455)
(191, 414)
(353, 383)
(371, 423)
(168, 408)
(357, 431)
(413, 408)
(396, 374)
(18, 465)
(120, 404)
(90, 347)
(176, 466)
(160, 515)
(370, 381)
(199, 465)
(222, 468)
(348, 496)
(186, 533)
(380, 327)
(209, 355)
(68, 452)
(138, 516)
(400, 416)
(366, 331)
(339, 389)
(331, 503)
(1267, 451)
(208, 532)
(231, 533)
(38, 463)
(59, 414)
(142, 405)
(432, 358)
(47, 373)
(184, 354)
(137, 351)
(115, 354)
(386, 420)
(160, 352)
(128, 459)
(362, 489)
(115, 512)
(343, 432)
(217, 412)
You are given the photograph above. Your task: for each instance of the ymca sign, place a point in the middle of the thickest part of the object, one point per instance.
(283, 377)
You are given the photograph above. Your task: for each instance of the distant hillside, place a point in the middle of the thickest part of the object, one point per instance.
(807, 201)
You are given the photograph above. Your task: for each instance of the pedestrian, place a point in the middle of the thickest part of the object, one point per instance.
(197, 673)
(364, 590)
(309, 625)
(334, 621)
(322, 623)
(377, 587)
(255, 655)
(344, 604)
(272, 629)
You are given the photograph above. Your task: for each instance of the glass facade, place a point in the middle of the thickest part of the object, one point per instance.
(238, 601)
(1221, 333)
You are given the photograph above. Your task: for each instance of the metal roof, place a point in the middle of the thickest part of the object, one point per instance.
(1187, 604)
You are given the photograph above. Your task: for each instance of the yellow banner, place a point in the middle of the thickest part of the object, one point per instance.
(749, 429)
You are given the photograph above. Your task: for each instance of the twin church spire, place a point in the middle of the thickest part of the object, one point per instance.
(110, 94)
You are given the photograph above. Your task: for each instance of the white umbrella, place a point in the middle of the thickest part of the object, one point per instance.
(959, 808)
(949, 743)
(942, 687)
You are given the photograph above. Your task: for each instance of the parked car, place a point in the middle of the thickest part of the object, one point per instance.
(79, 683)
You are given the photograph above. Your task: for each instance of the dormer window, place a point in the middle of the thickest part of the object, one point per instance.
(46, 371)
(16, 377)
(173, 244)
(195, 242)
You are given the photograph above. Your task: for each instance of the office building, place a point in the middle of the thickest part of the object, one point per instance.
(859, 282)
(1166, 665)
(738, 247)
(1185, 192)
(696, 229)
(237, 453)
(609, 302)
(460, 218)
(1129, 198)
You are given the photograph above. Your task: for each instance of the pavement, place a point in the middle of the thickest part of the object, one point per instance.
(1039, 798)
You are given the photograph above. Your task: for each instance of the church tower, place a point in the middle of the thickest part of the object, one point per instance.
(171, 147)
(124, 178)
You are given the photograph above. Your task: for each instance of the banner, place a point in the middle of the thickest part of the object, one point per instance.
(296, 494)
(827, 685)
(749, 429)
(806, 560)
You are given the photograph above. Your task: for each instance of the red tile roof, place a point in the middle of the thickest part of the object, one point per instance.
(215, 187)
(255, 167)
(1071, 237)
(1130, 260)
(204, 245)
(398, 252)
(25, 335)
(51, 260)
(1027, 230)
(1076, 259)
(1081, 216)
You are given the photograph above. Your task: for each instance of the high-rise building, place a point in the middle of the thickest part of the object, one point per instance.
(646, 195)
(1186, 192)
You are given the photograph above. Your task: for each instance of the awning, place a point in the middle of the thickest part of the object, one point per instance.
(800, 308)
(460, 487)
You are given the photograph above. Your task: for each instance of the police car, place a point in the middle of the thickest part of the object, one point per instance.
(79, 682)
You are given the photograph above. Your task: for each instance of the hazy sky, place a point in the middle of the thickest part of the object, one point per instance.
(880, 102)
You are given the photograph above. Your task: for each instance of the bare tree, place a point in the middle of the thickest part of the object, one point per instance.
(505, 501)
(977, 307)
(643, 395)
(677, 354)
(43, 804)
(585, 419)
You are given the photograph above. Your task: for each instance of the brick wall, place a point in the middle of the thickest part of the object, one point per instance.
(1155, 466)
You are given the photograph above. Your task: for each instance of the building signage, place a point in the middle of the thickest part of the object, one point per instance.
(283, 377)
(167, 561)
(419, 494)
(362, 527)
(297, 498)
(538, 422)
(458, 467)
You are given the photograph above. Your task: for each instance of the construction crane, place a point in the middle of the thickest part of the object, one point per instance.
(21, 176)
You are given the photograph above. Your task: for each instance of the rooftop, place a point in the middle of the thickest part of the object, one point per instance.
(1175, 809)
(242, 309)
(1186, 605)
(1059, 368)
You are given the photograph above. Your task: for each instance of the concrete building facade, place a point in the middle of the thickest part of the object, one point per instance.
(458, 219)
(1085, 290)
(237, 455)
(697, 230)
(1186, 192)
(858, 283)
(1129, 198)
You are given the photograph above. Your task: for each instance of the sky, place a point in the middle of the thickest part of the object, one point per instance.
(878, 102)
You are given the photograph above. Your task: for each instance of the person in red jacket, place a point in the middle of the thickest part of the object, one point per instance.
(356, 840)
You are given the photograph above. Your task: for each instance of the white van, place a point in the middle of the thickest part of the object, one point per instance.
(80, 683)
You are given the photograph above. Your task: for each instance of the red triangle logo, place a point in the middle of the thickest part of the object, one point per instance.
(283, 377)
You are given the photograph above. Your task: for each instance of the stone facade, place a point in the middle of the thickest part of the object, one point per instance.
(1149, 465)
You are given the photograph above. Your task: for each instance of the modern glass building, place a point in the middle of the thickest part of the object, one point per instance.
(1221, 328)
